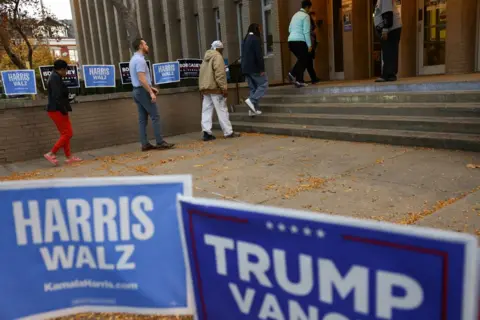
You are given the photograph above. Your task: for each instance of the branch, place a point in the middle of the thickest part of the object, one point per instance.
(128, 14)
(5, 41)
(18, 27)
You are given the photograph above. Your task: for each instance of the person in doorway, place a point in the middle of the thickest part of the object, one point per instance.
(58, 108)
(313, 36)
(253, 67)
(145, 96)
(214, 88)
(300, 43)
(388, 24)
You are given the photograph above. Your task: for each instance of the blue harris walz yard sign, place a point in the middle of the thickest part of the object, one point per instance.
(19, 82)
(99, 76)
(167, 72)
(250, 262)
(92, 245)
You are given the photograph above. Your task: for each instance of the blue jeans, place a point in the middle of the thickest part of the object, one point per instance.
(258, 87)
(147, 108)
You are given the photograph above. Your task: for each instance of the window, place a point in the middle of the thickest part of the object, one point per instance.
(240, 25)
(199, 36)
(73, 55)
(218, 24)
(267, 25)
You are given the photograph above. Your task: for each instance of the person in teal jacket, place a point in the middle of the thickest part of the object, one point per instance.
(300, 42)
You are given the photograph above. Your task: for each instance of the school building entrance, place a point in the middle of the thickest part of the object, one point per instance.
(438, 37)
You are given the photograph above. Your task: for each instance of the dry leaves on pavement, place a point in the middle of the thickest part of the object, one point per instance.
(473, 166)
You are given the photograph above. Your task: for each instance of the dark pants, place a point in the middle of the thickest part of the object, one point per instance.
(300, 50)
(311, 68)
(390, 48)
(146, 108)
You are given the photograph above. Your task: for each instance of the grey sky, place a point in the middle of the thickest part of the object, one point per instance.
(60, 8)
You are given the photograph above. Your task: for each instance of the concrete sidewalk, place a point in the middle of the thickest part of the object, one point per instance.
(381, 182)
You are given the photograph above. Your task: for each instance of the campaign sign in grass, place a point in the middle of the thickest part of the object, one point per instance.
(166, 72)
(19, 82)
(92, 245)
(252, 262)
(125, 71)
(70, 80)
(98, 76)
(190, 68)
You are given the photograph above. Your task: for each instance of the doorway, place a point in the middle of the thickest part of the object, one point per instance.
(336, 40)
(376, 46)
(432, 33)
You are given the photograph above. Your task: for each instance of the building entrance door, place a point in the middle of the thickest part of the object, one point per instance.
(432, 33)
(336, 39)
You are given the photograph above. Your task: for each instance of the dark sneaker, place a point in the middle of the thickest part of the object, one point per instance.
(299, 84)
(164, 146)
(233, 135)
(315, 81)
(148, 147)
(391, 79)
(380, 80)
(208, 137)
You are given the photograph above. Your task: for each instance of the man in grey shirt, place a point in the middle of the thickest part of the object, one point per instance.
(388, 25)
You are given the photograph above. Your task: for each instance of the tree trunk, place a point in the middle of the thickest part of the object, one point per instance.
(5, 42)
(128, 15)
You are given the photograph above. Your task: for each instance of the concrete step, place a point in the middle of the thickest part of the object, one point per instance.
(383, 97)
(399, 109)
(368, 87)
(429, 124)
(457, 141)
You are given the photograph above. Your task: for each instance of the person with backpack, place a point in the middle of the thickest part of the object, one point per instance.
(253, 67)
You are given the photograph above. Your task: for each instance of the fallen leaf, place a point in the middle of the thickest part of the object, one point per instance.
(473, 166)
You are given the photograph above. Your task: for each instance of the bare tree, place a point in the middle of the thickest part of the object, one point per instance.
(21, 23)
(128, 14)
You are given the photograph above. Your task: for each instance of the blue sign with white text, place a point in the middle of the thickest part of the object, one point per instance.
(167, 72)
(251, 262)
(99, 76)
(103, 245)
(19, 82)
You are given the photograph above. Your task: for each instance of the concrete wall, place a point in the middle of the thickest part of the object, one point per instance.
(26, 131)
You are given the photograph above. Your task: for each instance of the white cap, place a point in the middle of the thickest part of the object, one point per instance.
(217, 45)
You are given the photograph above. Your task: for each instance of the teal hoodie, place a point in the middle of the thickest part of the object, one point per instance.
(300, 28)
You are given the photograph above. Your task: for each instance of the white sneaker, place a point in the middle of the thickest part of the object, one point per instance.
(250, 105)
(253, 114)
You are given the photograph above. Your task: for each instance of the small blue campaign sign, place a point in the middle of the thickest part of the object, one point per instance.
(99, 76)
(167, 72)
(19, 82)
(252, 262)
(92, 245)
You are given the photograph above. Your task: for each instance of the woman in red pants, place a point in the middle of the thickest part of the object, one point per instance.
(58, 108)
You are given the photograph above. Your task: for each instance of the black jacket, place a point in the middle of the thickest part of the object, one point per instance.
(57, 94)
(252, 57)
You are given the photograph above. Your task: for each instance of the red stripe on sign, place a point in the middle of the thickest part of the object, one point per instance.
(442, 254)
(203, 214)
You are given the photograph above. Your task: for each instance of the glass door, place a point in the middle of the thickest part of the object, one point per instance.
(336, 40)
(432, 29)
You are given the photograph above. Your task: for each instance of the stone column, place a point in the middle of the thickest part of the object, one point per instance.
(188, 30)
(159, 37)
(94, 32)
(207, 22)
(174, 41)
(101, 29)
(461, 36)
(113, 56)
(77, 23)
(228, 20)
(144, 25)
(123, 48)
(88, 57)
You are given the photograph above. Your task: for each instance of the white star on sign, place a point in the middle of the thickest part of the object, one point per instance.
(307, 231)
(294, 229)
(320, 233)
(270, 225)
(281, 227)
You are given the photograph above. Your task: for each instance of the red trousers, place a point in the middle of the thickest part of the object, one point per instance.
(64, 126)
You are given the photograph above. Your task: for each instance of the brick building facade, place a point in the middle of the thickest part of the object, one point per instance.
(438, 36)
